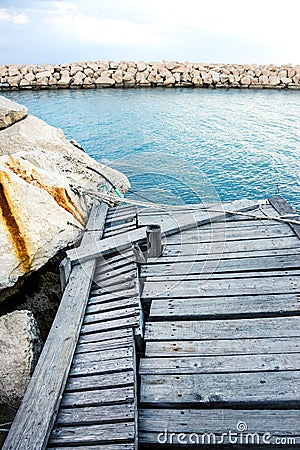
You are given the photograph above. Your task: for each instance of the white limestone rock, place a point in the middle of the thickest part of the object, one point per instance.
(43, 195)
(10, 112)
(20, 348)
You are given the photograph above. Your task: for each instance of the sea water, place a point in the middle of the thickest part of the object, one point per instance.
(184, 145)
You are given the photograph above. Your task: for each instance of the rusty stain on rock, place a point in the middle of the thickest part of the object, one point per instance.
(59, 194)
(12, 226)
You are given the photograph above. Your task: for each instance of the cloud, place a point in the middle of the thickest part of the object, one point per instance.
(100, 30)
(17, 18)
(161, 29)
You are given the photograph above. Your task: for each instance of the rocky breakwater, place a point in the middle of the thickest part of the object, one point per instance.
(43, 209)
(106, 74)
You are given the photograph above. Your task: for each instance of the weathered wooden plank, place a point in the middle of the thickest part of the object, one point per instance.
(219, 347)
(198, 235)
(105, 336)
(110, 288)
(121, 218)
(105, 316)
(234, 307)
(104, 447)
(231, 246)
(217, 287)
(274, 421)
(110, 265)
(223, 329)
(219, 364)
(180, 258)
(102, 367)
(116, 233)
(36, 415)
(223, 265)
(279, 389)
(113, 280)
(95, 414)
(105, 297)
(113, 305)
(112, 325)
(227, 277)
(95, 397)
(98, 434)
(115, 272)
(89, 382)
(118, 229)
(284, 209)
(102, 355)
(104, 345)
(169, 226)
(186, 208)
(112, 212)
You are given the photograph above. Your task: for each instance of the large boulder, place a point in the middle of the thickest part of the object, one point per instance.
(20, 348)
(44, 194)
(10, 112)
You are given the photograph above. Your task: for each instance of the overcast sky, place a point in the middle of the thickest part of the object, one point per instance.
(39, 31)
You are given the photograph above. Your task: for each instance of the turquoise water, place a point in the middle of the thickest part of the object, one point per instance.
(185, 145)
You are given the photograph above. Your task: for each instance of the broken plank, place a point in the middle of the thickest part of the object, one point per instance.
(223, 329)
(237, 389)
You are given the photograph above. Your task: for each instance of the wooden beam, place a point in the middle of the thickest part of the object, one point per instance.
(284, 209)
(171, 225)
(65, 269)
(36, 416)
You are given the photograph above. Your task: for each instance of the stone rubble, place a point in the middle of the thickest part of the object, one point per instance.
(108, 74)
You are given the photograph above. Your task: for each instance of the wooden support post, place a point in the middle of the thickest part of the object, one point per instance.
(65, 269)
(154, 246)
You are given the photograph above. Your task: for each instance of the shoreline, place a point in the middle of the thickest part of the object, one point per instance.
(129, 74)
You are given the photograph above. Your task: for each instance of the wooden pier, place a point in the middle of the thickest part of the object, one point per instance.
(191, 341)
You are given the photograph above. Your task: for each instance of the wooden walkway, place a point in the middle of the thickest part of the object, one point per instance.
(217, 353)
(223, 336)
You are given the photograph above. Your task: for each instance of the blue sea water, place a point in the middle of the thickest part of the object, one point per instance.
(185, 145)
